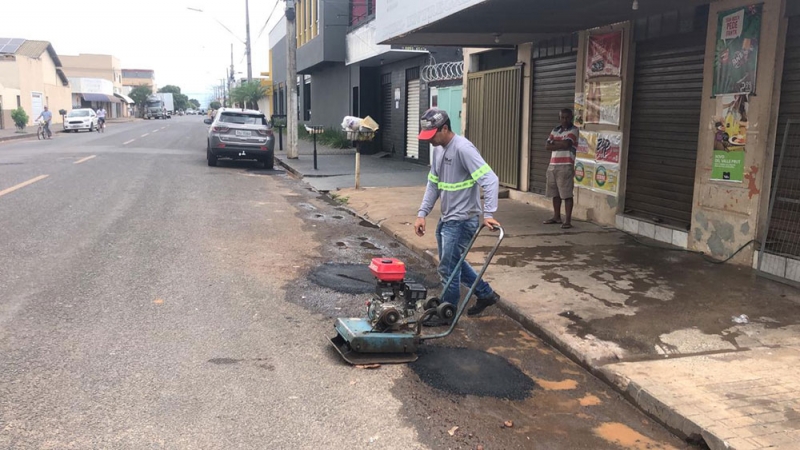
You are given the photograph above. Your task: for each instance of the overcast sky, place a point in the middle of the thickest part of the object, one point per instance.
(185, 48)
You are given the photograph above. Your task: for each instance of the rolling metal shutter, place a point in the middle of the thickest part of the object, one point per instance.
(783, 236)
(386, 116)
(412, 119)
(553, 90)
(662, 155)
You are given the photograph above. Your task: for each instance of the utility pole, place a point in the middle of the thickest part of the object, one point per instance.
(249, 63)
(291, 81)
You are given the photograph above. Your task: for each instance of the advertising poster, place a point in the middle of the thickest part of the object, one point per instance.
(587, 145)
(603, 102)
(609, 145)
(730, 138)
(604, 55)
(580, 110)
(584, 173)
(736, 55)
(606, 178)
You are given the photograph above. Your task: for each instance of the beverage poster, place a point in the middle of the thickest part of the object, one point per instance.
(604, 55)
(587, 145)
(606, 178)
(603, 102)
(584, 173)
(736, 55)
(730, 138)
(609, 145)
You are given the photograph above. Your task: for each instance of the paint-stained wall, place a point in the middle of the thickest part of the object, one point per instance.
(726, 215)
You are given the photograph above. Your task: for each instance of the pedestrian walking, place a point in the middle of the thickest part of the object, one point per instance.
(457, 173)
(562, 145)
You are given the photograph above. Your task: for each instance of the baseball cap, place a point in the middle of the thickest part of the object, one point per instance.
(431, 121)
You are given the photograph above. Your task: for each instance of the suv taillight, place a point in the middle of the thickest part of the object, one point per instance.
(220, 129)
(265, 132)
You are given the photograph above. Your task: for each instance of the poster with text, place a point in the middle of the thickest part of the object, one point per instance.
(580, 110)
(604, 55)
(730, 137)
(609, 145)
(736, 55)
(606, 178)
(587, 145)
(584, 173)
(603, 102)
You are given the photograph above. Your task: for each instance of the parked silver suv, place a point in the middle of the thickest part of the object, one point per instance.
(240, 134)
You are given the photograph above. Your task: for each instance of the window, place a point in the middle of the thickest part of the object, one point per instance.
(307, 101)
(243, 119)
(361, 11)
(19, 102)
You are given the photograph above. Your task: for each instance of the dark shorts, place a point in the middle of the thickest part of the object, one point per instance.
(560, 181)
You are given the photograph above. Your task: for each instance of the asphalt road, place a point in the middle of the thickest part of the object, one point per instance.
(150, 301)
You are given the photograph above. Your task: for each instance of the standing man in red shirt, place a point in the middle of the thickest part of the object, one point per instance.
(562, 145)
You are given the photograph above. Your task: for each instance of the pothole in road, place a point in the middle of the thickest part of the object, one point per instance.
(464, 371)
(354, 278)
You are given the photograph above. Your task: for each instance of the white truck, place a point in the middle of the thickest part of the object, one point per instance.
(169, 103)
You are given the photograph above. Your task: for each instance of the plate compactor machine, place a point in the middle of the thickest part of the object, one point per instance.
(391, 332)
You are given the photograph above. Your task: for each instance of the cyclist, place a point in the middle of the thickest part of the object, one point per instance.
(47, 116)
(101, 117)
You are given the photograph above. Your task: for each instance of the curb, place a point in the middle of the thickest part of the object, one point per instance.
(17, 137)
(292, 170)
(652, 407)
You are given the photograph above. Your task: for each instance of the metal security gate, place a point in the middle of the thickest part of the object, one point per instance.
(494, 116)
(780, 252)
(553, 90)
(662, 155)
(386, 113)
(412, 119)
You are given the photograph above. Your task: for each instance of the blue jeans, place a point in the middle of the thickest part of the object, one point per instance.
(452, 238)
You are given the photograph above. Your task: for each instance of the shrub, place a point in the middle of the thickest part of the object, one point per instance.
(20, 118)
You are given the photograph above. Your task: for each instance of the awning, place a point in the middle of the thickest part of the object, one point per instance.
(98, 98)
(125, 98)
(113, 99)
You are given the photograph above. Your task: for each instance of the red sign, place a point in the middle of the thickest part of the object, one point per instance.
(604, 56)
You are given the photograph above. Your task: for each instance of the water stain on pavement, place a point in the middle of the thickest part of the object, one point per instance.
(464, 371)
(627, 438)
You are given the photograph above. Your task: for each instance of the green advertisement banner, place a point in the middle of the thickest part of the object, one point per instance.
(736, 56)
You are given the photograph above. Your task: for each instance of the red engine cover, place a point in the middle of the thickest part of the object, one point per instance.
(388, 269)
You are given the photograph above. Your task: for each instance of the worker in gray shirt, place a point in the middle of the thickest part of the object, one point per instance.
(457, 172)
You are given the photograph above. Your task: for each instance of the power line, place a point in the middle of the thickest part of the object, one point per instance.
(274, 8)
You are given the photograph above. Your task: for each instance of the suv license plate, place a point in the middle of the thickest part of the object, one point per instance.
(242, 133)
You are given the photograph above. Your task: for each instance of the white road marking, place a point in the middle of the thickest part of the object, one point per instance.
(145, 134)
(154, 131)
(22, 185)
(126, 143)
(83, 160)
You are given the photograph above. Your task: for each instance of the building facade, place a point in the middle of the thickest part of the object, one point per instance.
(139, 77)
(683, 109)
(343, 71)
(96, 72)
(31, 77)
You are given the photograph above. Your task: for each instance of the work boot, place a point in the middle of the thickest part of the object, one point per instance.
(482, 304)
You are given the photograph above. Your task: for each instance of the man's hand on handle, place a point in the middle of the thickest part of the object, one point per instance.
(491, 223)
(419, 226)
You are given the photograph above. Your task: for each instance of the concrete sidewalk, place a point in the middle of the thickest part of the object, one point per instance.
(653, 321)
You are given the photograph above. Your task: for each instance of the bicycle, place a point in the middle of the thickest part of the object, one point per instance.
(41, 132)
(101, 126)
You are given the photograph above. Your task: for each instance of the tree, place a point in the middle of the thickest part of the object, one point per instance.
(215, 105)
(170, 89)
(248, 94)
(181, 101)
(139, 95)
(194, 103)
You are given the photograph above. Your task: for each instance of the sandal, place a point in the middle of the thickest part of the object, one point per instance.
(566, 226)
(551, 222)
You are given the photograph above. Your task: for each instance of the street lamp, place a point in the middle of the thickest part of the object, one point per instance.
(246, 42)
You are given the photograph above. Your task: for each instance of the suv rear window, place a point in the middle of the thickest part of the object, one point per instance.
(243, 119)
